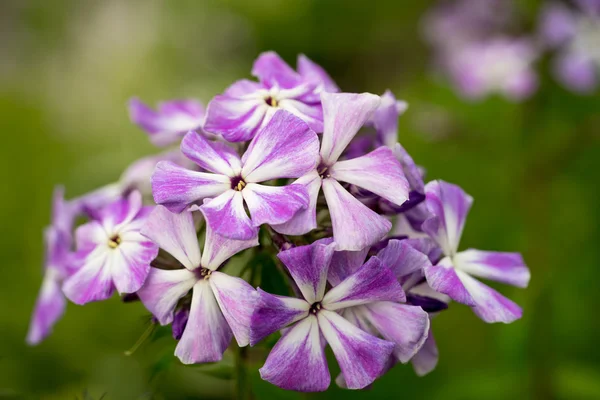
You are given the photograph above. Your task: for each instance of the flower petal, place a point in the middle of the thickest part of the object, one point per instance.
(297, 362)
(362, 357)
(174, 233)
(312, 72)
(274, 204)
(273, 313)
(92, 281)
(385, 119)
(215, 157)
(345, 263)
(130, 263)
(372, 282)
(305, 220)
(355, 226)
(311, 113)
(378, 172)
(237, 300)
(426, 359)
(274, 152)
(450, 205)
(497, 266)
(176, 187)
(207, 334)
(576, 71)
(490, 305)
(49, 308)
(218, 248)
(271, 70)
(404, 325)
(343, 115)
(227, 217)
(412, 172)
(308, 267)
(443, 278)
(402, 258)
(236, 119)
(163, 289)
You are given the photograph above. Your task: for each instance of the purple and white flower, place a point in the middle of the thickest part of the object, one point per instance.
(111, 252)
(285, 148)
(576, 34)
(355, 226)
(454, 274)
(297, 362)
(247, 106)
(170, 122)
(221, 305)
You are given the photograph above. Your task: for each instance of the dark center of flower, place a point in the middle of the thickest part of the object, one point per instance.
(315, 308)
(323, 170)
(271, 101)
(203, 273)
(237, 183)
(114, 241)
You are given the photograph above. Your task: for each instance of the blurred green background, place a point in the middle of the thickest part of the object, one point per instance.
(67, 69)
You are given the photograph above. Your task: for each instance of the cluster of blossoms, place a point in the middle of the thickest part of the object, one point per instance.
(476, 46)
(291, 168)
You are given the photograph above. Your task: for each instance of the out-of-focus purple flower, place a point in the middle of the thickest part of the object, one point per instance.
(285, 148)
(355, 226)
(453, 274)
(170, 122)
(58, 239)
(111, 252)
(297, 362)
(246, 106)
(221, 305)
(576, 35)
(501, 65)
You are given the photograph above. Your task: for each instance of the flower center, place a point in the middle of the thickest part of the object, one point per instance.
(237, 183)
(114, 241)
(323, 170)
(271, 101)
(203, 273)
(315, 308)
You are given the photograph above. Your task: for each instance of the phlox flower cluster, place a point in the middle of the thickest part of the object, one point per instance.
(290, 168)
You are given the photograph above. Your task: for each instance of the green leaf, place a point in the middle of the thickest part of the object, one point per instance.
(271, 277)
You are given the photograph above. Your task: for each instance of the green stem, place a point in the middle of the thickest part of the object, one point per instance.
(243, 389)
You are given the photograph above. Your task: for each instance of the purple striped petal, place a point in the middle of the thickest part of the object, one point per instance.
(426, 359)
(413, 174)
(444, 278)
(170, 123)
(378, 172)
(311, 113)
(274, 204)
(227, 217)
(121, 212)
(207, 334)
(312, 72)
(362, 357)
(308, 267)
(449, 205)
(372, 282)
(402, 258)
(358, 316)
(274, 152)
(305, 220)
(49, 308)
(271, 70)
(237, 300)
(343, 115)
(215, 157)
(177, 188)
(297, 362)
(174, 233)
(490, 305)
(244, 88)
(130, 262)
(236, 119)
(180, 319)
(345, 263)
(497, 266)
(385, 119)
(163, 289)
(218, 248)
(93, 281)
(405, 326)
(355, 226)
(272, 313)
